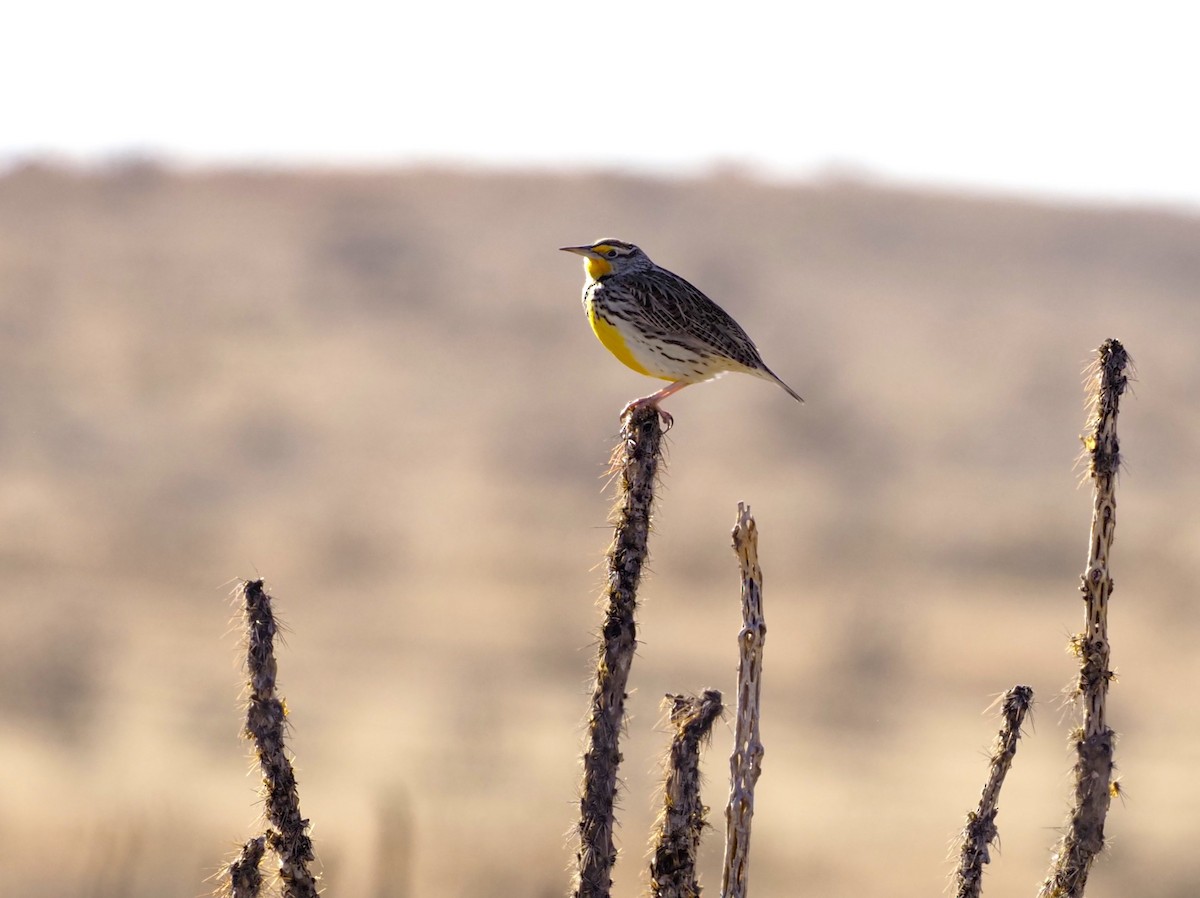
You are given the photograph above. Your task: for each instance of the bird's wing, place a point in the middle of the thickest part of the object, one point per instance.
(684, 313)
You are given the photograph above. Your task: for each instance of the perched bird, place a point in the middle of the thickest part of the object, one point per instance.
(658, 324)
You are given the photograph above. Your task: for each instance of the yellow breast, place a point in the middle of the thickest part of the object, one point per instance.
(613, 341)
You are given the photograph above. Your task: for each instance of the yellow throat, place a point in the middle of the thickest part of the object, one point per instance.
(608, 334)
(596, 268)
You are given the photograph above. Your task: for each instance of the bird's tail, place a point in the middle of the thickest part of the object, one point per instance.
(771, 375)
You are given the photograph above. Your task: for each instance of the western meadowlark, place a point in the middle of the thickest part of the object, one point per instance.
(658, 324)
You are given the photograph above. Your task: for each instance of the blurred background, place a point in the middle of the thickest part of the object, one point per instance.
(280, 297)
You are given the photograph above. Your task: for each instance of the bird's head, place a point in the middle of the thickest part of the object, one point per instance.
(609, 256)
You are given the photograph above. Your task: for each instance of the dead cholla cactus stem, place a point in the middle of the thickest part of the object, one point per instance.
(1103, 453)
(980, 830)
(1084, 837)
(635, 465)
(745, 764)
(265, 727)
(677, 841)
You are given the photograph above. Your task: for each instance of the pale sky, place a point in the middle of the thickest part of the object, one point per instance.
(1093, 101)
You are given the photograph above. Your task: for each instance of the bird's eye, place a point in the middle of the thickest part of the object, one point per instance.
(612, 254)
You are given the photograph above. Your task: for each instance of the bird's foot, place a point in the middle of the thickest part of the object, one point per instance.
(649, 402)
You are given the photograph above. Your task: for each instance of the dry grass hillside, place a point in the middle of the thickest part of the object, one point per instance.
(378, 392)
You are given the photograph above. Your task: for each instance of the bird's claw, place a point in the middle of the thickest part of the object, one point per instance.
(667, 420)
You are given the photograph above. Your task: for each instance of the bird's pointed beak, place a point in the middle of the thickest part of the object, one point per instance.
(578, 250)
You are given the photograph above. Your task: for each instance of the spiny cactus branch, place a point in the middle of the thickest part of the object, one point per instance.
(245, 876)
(980, 830)
(635, 463)
(266, 717)
(677, 838)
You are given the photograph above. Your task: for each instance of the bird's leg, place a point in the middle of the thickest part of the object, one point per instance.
(654, 399)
